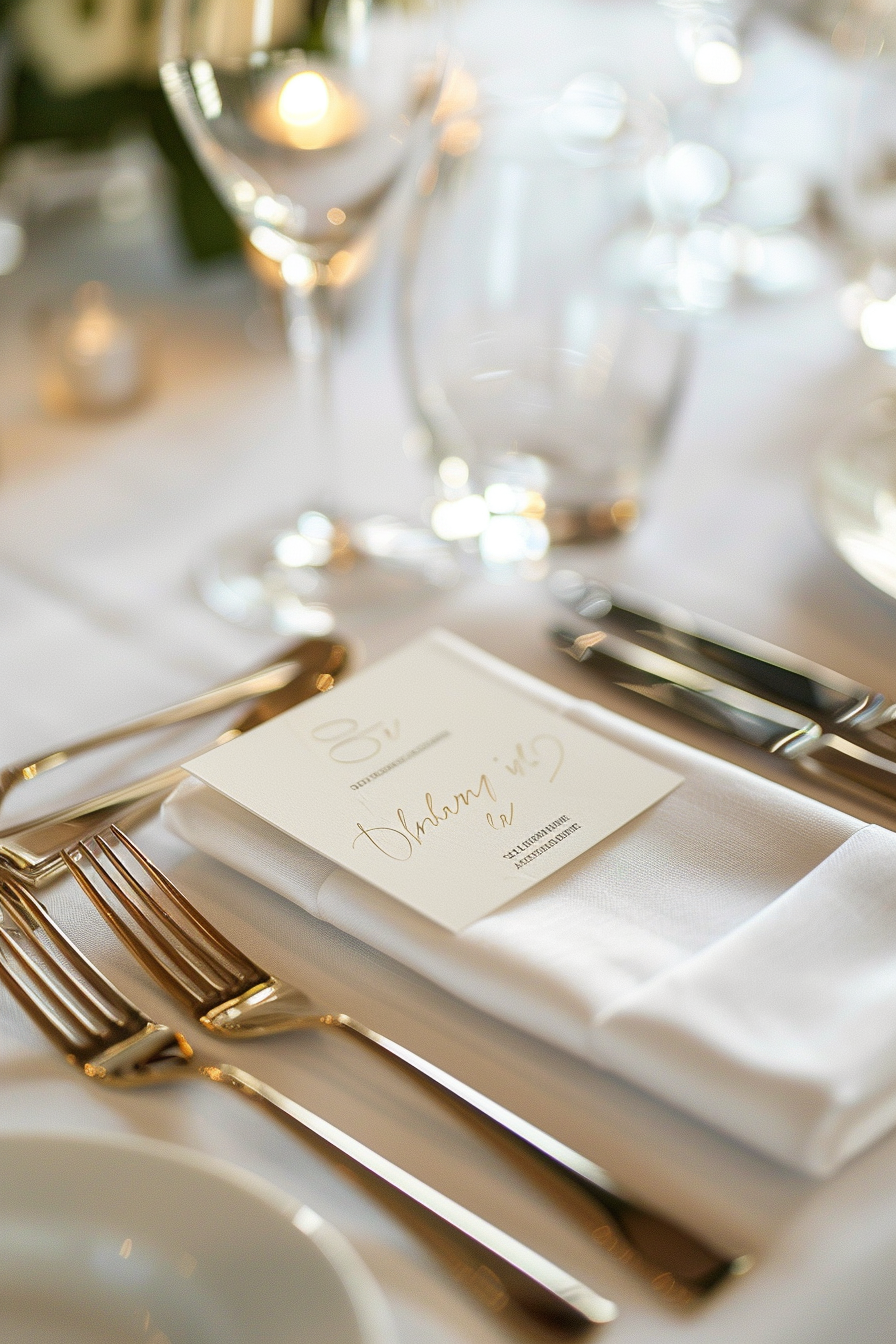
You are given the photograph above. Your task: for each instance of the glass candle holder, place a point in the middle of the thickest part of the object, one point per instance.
(94, 358)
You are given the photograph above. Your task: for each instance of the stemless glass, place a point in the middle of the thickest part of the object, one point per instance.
(304, 113)
(544, 373)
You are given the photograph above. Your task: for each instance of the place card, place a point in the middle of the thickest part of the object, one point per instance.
(436, 779)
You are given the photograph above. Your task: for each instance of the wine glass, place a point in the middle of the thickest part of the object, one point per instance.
(304, 114)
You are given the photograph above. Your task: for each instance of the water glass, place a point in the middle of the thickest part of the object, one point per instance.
(545, 375)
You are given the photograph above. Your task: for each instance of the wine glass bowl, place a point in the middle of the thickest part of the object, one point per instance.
(304, 114)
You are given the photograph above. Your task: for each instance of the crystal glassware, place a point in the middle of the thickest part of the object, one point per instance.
(734, 199)
(304, 114)
(856, 469)
(545, 374)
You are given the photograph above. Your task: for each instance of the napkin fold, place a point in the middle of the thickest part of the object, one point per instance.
(732, 950)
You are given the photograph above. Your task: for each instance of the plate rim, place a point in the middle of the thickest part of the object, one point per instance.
(366, 1297)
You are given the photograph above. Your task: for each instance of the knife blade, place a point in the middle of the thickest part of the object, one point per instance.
(746, 717)
(838, 704)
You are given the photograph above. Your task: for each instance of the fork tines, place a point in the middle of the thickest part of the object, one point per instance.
(63, 992)
(191, 959)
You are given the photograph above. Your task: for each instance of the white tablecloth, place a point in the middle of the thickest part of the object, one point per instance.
(99, 524)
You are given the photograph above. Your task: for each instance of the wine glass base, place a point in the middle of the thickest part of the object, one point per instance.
(387, 565)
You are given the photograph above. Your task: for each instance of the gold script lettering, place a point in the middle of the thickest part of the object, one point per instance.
(399, 848)
(353, 744)
(398, 842)
(543, 749)
(505, 818)
(551, 747)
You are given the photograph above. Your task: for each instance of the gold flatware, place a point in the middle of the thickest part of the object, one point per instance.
(101, 1032)
(31, 850)
(228, 993)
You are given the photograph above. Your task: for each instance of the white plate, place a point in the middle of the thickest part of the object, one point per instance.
(113, 1239)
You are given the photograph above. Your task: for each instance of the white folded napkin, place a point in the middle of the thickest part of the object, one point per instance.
(732, 950)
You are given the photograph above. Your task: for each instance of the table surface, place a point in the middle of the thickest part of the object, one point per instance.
(100, 523)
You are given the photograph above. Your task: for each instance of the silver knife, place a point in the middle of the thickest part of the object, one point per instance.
(855, 712)
(737, 713)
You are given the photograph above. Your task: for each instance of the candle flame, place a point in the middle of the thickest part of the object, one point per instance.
(97, 327)
(304, 99)
(309, 111)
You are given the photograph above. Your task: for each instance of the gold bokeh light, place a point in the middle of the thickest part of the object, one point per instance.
(304, 99)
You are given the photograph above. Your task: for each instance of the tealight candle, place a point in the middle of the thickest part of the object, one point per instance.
(95, 358)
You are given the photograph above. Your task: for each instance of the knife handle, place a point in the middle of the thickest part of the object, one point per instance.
(678, 1264)
(210, 702)
(839, 758)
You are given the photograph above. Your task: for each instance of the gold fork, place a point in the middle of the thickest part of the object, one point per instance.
(112, 1042)
(229, 994)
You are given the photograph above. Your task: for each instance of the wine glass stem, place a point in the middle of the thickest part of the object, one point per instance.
(309, 327)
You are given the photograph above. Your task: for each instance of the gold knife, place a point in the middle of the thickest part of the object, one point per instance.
(32, 849)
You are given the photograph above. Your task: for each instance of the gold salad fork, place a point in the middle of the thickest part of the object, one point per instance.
(229, 994)
(114, 1043)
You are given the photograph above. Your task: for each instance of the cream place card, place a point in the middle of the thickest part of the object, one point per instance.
(436, 780)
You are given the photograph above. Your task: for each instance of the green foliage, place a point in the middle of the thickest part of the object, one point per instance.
(98, 115)
(208, 228)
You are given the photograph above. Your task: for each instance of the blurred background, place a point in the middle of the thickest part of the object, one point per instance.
(600, 193)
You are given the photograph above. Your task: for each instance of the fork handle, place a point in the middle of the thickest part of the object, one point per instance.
(679, 1264)
(499, 1269)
